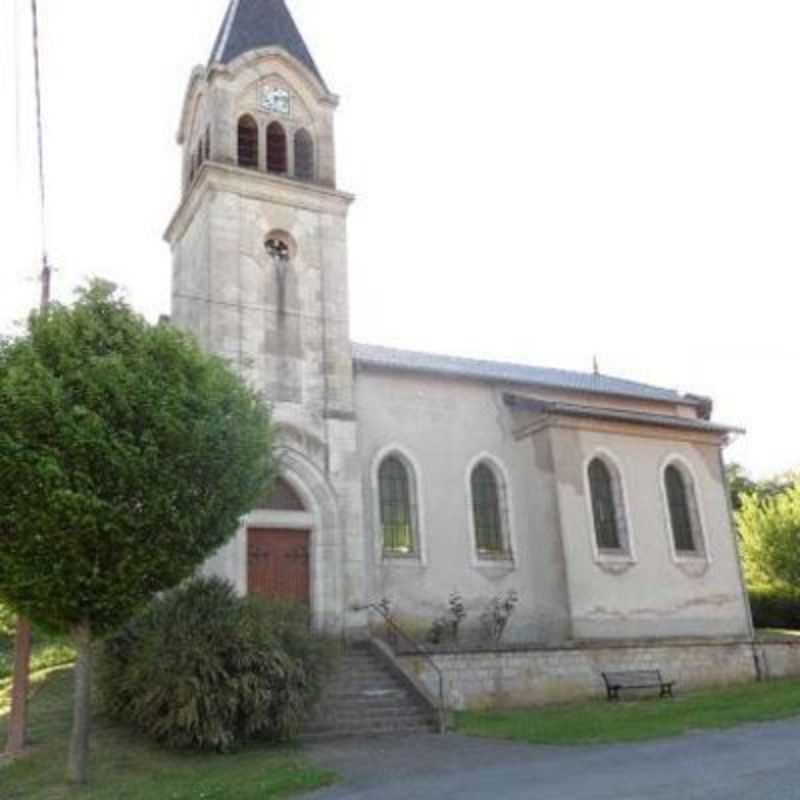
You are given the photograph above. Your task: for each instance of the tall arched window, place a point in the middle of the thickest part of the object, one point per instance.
(277, 149)
(397, 511)
(487, 511)
(606, 508)
(248, 142)
(303, 155)
(681, 502)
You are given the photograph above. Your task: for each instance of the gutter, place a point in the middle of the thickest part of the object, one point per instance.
(554, 408)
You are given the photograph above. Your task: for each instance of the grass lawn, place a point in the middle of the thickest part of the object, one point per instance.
(123, 767)
(45, 653)
(602, 722)
(773, 634)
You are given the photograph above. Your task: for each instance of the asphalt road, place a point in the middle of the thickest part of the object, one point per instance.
(754, 762)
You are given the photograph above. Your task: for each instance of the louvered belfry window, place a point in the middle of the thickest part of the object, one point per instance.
(248, 142)
(303, 155)
(486, 511)
(397, 514)
(679, 511)
(277, 150)
(606, 521)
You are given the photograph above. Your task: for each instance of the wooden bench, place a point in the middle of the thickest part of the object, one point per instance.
(636, 679)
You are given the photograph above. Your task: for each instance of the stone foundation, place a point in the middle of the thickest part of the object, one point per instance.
(518, 678)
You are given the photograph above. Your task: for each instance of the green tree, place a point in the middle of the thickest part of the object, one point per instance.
(127, 457)
(741, 485)
(770, 531)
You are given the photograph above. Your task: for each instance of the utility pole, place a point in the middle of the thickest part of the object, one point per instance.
(18, 721)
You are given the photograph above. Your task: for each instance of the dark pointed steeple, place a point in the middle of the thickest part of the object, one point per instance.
(252, 24)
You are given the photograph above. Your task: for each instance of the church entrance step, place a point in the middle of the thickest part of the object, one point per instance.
(367, 698)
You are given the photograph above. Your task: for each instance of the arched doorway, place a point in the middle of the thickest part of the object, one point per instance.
(279, 557)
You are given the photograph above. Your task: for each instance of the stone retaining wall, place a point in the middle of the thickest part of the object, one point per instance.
(480, 680)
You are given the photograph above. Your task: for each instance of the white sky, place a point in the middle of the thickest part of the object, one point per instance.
(538, 181)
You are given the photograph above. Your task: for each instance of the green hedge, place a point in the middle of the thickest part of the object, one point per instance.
(204, 669)
(775, 607)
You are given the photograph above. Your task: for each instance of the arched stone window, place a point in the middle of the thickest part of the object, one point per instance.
(397, 507)
(303, 155)
(488, 511)
(277, 149)
(684, 516)
(248, 142)
(608, 507)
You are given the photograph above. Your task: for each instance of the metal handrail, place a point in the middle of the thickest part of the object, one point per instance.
(395, 629)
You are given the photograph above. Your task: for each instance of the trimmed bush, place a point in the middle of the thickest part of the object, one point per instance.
(775, 607)
(204, 669)
(290, 624)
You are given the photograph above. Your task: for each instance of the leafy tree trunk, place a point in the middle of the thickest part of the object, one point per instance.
(78, 766)
(18, 722)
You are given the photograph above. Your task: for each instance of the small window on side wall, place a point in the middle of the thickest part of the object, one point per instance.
(683, 513)
(488, 512)
(248, 142)
(607, 508)
(398, 523)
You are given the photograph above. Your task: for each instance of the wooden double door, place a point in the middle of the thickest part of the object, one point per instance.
(278, 564)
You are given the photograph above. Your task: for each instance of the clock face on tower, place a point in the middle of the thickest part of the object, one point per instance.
(276, 101)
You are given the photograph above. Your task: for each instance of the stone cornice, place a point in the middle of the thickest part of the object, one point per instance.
(253, 58)
(216, 177)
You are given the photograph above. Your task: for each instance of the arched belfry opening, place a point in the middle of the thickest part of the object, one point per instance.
(277, 150)
(303, 155)
(248, 142)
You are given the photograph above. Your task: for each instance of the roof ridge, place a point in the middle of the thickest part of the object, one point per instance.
(588, 381)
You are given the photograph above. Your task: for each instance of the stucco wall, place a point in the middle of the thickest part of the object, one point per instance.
(657, 593)
(442, 426)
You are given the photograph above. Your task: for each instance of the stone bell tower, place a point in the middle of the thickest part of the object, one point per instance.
(259, 249)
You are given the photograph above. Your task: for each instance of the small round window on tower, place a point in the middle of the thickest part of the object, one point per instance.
(277, 249)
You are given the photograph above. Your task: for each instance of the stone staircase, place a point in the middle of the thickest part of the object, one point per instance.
(366, 697)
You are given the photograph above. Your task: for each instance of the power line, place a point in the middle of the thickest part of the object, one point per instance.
(17, 95)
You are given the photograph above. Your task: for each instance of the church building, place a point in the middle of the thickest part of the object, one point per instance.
(600, 502)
